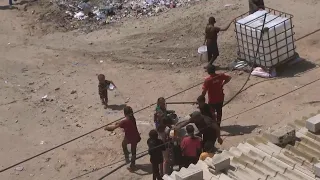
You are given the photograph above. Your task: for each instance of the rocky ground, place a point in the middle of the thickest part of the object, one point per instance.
(48, 86)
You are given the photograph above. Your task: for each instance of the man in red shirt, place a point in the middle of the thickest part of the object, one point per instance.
(214, 86)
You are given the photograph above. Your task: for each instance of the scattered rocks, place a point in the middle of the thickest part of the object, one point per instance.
(16, 121)
(261, 94)
(73, 92)
(56, 89)
(44, 111)
(78, 125)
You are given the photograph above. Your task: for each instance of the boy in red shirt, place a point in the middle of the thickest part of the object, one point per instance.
(214, 86)
(131, 135)
(190, 147)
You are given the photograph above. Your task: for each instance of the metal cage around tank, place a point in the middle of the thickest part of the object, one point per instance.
(260, 60)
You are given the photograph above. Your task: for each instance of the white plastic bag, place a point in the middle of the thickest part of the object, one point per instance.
(258, 71)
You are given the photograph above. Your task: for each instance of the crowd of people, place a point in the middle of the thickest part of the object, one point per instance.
(175, 142)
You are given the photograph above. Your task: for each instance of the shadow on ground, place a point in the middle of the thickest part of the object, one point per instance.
(116, 107)
(7, 7)
(236, 130)
(146, 168)
(292, 69)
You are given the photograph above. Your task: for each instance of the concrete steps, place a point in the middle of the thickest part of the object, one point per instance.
(259, 159)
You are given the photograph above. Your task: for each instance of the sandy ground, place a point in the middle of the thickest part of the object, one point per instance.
(146, 58)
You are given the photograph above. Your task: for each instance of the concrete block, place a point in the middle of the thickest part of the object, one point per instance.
(313, 124)
(282, 136)
(220, 162)
(317, 169)
(190, 174)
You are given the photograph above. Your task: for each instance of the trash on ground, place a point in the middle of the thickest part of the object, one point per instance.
(258, 71)
(19, 168)
(80, 15)
(240, 65)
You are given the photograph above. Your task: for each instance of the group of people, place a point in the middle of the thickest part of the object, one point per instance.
(167, 147)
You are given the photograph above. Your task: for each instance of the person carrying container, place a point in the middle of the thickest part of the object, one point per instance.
(211, 37)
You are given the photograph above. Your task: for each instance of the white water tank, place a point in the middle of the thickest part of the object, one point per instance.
(277, 43)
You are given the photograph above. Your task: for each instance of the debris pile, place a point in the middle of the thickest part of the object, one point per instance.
(113, 10)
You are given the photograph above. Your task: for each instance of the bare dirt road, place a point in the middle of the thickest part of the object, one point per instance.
(146, 58)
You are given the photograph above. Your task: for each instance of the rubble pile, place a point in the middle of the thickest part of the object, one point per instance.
(109, 11)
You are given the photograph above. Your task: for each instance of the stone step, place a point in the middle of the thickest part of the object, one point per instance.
(237, 175)
(298, 161)
(224, 177)
(255, 172)
(313, 136)
(305, 148)
(301, 153)
(166, 177)
(207, 175)
(261, 146)
(256, 150)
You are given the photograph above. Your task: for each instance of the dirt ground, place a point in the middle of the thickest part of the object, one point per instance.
(146, 58)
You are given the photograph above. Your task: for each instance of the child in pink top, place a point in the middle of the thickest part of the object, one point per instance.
(190, 147)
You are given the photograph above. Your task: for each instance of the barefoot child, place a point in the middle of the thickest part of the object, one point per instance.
(103, 89)
(156, 147)
(131, 135)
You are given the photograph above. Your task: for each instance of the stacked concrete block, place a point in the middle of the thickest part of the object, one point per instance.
(313, 124)
(220, 162)
(282, 136)
(193, 173)
(317, 169)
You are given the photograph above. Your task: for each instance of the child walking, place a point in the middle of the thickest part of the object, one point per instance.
(103, 89)
(131, 135)
(156, 147)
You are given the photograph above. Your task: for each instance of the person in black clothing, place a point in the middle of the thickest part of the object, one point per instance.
(211, 37)
(205, 108)
(156, 146)
(207, 127)
(256, 5)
